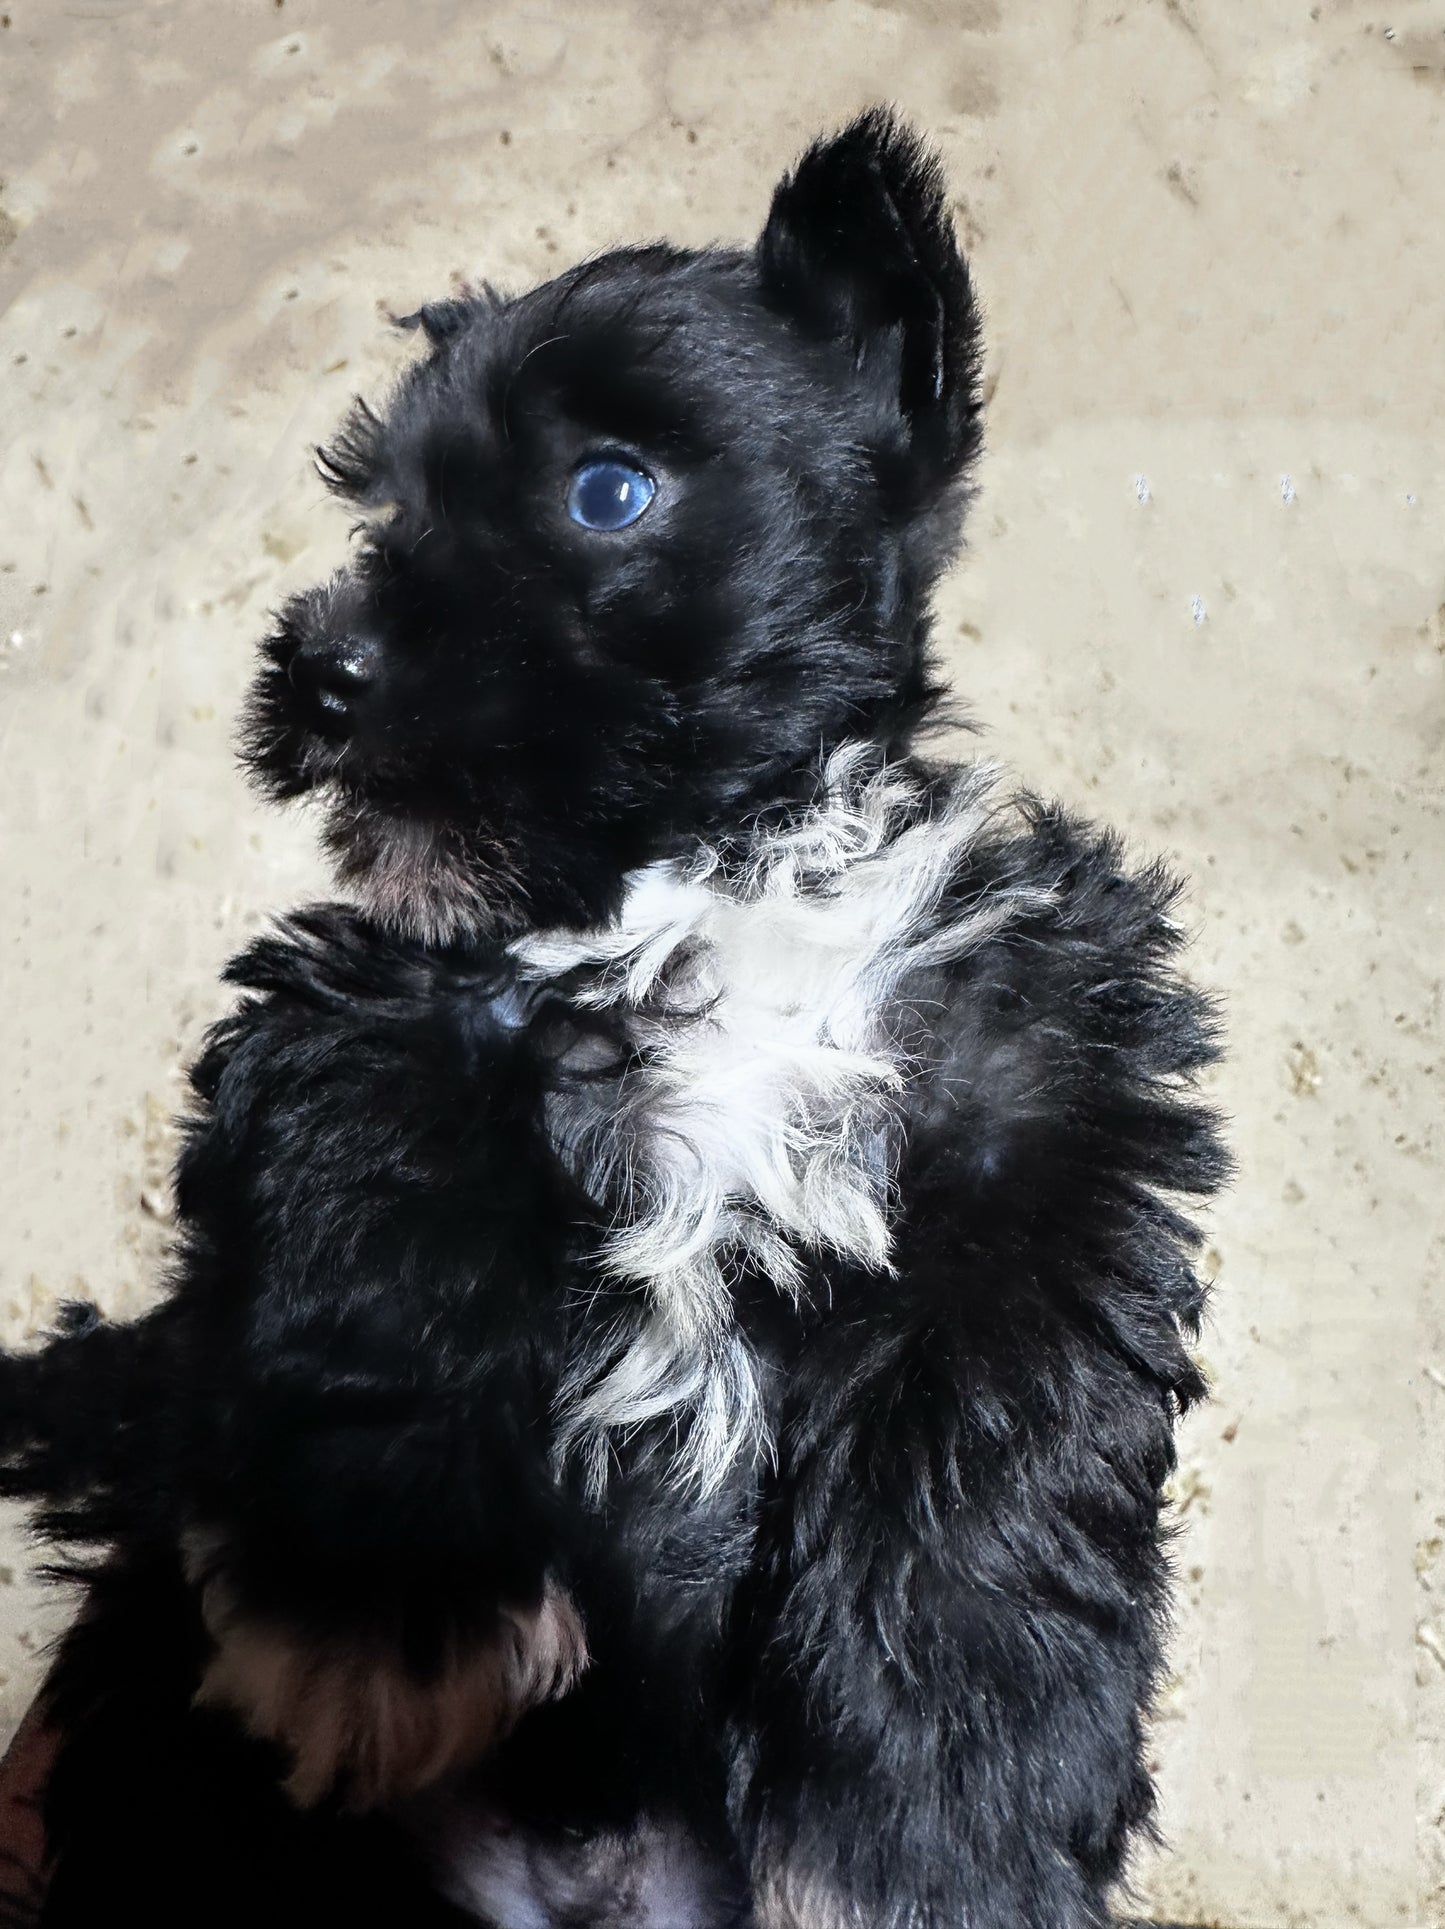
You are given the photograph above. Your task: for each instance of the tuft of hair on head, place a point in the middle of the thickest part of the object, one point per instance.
(859, 247)
(442, 321)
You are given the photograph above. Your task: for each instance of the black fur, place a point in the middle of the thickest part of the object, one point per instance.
(894, 1674)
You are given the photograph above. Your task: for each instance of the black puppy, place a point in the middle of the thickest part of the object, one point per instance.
(681, 1302)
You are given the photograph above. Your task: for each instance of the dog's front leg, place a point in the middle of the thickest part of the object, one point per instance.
(954, 1635)
(376, 1546)
(355, 1717)
(373, 1256)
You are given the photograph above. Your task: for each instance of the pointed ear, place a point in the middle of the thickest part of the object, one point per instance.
(859, 247)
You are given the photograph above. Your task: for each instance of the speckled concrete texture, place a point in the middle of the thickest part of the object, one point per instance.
(1205, 599)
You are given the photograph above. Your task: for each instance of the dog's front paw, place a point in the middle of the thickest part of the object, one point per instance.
(355, 1721)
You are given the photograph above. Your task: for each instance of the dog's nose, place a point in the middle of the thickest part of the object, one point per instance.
(332, 675)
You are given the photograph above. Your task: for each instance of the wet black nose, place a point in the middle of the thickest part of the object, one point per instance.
(330, 676)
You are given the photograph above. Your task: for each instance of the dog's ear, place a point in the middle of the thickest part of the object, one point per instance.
(859, 246)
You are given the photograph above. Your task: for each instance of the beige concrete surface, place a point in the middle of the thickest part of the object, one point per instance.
(1205, 599)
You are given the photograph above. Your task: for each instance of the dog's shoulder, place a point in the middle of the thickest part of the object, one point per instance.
(329, 997)
(1067, 1041)
(332, 958)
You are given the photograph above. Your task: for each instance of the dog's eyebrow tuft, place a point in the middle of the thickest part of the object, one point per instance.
(351, 462)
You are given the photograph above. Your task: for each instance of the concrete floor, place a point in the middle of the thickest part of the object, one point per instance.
(1205, 599)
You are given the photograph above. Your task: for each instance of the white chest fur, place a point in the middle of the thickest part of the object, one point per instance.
(760, 1123)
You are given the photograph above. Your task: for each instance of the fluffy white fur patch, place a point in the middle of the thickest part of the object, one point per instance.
(759, 1124)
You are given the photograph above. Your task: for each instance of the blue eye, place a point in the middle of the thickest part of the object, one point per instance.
(609, 494)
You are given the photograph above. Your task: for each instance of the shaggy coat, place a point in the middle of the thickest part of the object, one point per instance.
(680, 1307)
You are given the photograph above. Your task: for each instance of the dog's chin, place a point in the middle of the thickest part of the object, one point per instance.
(424, 881)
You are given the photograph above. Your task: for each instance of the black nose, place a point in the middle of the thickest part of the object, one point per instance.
(332, 675)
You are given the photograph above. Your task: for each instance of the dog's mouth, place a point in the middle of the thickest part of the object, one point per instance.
(423, 880)
(418, 873)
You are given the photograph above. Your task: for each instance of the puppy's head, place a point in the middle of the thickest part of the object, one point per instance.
(638, 546)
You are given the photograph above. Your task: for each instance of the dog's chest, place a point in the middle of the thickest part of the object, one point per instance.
(756, 1122)
(753, 1115)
